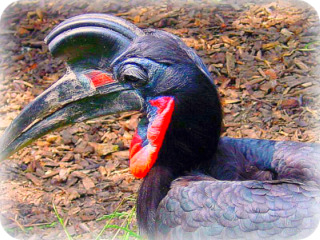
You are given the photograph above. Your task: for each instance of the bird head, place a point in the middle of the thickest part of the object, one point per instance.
(112, 67)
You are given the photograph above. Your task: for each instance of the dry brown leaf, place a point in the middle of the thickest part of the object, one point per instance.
(228, 40)
(136, 19)
(39, 13)
(23, 31)
(73, 194)
(88, 183)
(301, 65)
(103, 149)
(121, 155)
(231, 101)
(68, 157)
(102, 170)
(271, 73)
(51, 173)
(230, 59)
(290, 103)
(271, 45)
(84, 147)
(78, 174)
(268, 85)
(64, 173)
(36, 181)
(53, 138)
(251, 133)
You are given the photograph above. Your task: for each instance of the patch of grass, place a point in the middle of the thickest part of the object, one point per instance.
(61, 222)
(129, 221)
(15, 229)
(113, 215)
(125, 226)
(27, 229)
(129, 233)
(307, 46)
(53, 224)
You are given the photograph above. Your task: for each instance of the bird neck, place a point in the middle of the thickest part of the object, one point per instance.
(153, 189)
(193, 133)
(189, 143)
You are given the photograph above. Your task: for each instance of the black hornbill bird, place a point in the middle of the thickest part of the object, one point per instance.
(196, 184)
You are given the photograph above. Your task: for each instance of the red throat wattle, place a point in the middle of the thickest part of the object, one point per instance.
(142, 157)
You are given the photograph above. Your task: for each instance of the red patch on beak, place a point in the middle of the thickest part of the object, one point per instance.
(142, 158)
(99, 78)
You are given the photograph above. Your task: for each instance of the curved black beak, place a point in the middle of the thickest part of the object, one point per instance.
(66, 102)
(89, 43)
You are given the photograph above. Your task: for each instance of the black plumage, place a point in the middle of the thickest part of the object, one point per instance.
(242, 199)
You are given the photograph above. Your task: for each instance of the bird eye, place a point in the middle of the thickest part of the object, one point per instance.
(130, 78)
(133, 74)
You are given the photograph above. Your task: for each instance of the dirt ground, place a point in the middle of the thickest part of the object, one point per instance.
(265, 59)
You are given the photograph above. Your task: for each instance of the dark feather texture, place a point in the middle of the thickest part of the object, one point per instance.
(203, 208)
(288, 207)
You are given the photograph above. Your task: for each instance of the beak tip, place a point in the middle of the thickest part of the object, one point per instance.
(4, 150)
(3, 155)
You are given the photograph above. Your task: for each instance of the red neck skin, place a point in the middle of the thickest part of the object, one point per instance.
(148, 139)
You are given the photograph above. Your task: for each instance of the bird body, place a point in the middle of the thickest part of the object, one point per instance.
(238, 202)
(195, 184)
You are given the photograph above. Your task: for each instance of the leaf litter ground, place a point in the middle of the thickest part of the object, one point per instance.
(264, 56)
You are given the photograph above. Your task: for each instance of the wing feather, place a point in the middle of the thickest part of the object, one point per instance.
(242, 210)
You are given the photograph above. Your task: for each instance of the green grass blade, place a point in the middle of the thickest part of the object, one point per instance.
(61, 222)
(132, 233)
(125, 226)
(112, 215)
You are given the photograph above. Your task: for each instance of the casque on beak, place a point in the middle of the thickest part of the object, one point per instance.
(89, 44)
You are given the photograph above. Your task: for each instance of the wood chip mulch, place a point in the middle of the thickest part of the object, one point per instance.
(265, 59)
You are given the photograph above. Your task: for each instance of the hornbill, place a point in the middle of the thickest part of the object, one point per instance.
(195, 184)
